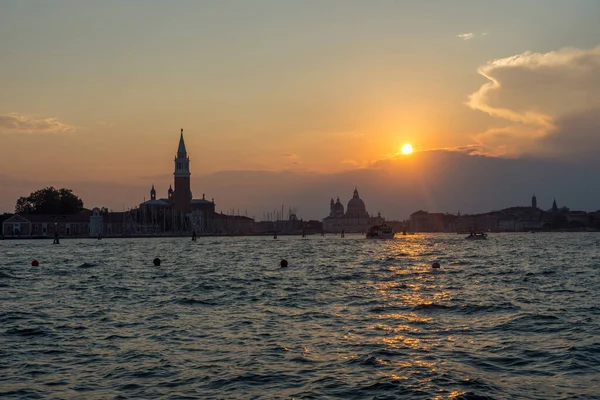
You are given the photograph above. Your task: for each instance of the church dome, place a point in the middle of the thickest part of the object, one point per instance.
(356, 205)
(338, 205)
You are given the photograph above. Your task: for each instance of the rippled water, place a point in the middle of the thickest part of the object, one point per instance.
(514, 317)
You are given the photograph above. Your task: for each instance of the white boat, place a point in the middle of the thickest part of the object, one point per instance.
(382, 231)
(477, 236)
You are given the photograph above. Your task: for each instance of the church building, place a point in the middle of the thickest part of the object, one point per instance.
(356, 219)
(179, 211)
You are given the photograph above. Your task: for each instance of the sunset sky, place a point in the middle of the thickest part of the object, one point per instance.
(97, 91)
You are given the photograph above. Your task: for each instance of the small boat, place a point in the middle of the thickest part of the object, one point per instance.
(382, 231)
(477, 236)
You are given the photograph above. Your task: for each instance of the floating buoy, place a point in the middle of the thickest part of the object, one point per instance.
(157, 261)
(35, 263)
(435, 265)
(283, 263)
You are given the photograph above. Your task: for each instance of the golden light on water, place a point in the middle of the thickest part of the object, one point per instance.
(407, 149)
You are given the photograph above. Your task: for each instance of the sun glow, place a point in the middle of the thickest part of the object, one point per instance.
(407, 149)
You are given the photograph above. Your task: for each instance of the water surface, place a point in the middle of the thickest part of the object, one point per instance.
(514, 317)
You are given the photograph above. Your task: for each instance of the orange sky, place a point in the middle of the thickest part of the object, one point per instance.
(99, 91)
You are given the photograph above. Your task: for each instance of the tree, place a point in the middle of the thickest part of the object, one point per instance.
(49, 201)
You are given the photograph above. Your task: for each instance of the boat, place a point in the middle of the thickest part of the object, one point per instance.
(477, 236)
(382, 231)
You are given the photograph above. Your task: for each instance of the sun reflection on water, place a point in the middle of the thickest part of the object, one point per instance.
(409, 317)
(412, 302)
(400, 341)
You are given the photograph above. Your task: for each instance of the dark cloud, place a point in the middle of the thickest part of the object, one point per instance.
(546, 98)
(440, 180)
(576, 135)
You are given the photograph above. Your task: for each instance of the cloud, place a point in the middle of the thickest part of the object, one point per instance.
(575, 135)
(17, 123)
(466, 36)
(352, 163)
(437, 180)
(549, 100)
(471, 149)
(294, 161)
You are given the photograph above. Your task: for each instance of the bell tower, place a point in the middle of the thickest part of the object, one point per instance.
(182, 195)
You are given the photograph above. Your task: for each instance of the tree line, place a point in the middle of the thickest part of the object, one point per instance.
(50, 201)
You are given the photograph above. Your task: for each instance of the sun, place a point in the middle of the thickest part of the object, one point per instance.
(407, 149)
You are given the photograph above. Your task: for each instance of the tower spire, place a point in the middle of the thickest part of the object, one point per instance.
(182, 195)
(181, 151)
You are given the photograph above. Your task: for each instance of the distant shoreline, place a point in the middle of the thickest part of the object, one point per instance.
(189, 236)
(162, 236)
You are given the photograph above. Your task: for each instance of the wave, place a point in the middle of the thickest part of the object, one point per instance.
(239, 329)
(87, 265)
(532, 323)
(476, 308)
(27, 332)
(6, 275)
(6, 317)
(472, 396)
(191, 301)
(432, 306)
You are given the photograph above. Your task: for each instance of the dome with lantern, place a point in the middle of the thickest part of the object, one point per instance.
(356, 206)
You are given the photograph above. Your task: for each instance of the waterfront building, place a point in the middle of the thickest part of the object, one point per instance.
(96, 223)
(179, 211)
(355, 219)
(423, 221)
(512, 219)
(232, 224)
(40, 225)
(290, 226)
(83, 224)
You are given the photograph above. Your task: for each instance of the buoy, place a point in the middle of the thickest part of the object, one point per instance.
(283, 263)
(35, 263)
(157, 261)
(435, 265)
